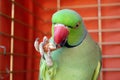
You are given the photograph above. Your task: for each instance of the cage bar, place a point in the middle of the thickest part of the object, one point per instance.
(12, 40)
(99, 5)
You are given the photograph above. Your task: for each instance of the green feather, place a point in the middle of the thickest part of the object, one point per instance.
(66, 17)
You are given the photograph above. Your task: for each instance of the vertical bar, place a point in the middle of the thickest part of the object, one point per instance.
(100, 31)
(58, 4)
(12, 41)
(99, 24)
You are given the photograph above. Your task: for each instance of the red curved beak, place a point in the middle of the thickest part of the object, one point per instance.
(60, 33)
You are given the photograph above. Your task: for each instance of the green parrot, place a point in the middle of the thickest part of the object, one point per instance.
(78, 56)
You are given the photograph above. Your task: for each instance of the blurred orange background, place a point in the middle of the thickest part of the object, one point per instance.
(21, 21)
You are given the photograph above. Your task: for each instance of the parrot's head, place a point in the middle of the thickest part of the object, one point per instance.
(67, 28)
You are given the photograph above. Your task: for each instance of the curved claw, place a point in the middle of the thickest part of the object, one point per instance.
(45, 40)
(36, 44)
(41, 50)
(38, 47)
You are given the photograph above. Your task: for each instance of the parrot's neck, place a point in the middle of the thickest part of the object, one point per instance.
(80, 41)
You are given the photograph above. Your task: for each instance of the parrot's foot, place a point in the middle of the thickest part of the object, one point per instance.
(40, 48)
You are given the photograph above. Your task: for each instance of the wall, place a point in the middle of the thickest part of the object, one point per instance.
(33, 19)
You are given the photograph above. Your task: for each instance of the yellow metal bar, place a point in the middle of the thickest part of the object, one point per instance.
(110, 4)
(99, 23)
(12, 40)
(100, 33)
(110, 43)
(102, 17)
(58, 4)
(111, 56)
(111, 69)
(104, 30)
(91, 6)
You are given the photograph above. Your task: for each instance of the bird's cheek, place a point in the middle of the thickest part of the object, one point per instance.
(60, 34)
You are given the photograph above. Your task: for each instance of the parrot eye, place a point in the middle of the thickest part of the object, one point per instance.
(77, 25)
